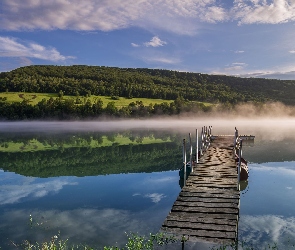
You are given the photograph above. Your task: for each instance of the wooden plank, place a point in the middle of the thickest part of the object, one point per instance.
(205, 204)
(202, 233)
(200, 226)
(205, 220)
(205, 192)
(211, 210)
(205, 215)
(208, 206)
(205, 200)
(212, 185)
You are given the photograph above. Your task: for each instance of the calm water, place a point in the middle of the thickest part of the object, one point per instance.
(91, 183)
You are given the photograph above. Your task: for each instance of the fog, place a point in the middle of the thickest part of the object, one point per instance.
(265, 127)
(273, 121)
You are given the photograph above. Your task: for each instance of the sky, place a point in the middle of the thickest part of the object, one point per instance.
(248, 38)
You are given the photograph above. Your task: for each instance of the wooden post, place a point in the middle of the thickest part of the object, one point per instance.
(197, 146)
(239, 165)
(191, 151)
(184, 162)
(207, 137)
(203, 141)
(201, 147)
(210, 134)
(235, 142)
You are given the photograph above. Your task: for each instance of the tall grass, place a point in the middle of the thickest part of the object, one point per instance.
(135, 242)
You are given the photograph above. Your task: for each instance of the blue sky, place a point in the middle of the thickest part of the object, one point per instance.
(249, 38)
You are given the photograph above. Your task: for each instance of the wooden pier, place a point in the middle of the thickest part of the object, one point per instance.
(207, 208)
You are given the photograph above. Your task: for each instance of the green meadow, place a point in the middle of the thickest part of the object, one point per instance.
(34, 98)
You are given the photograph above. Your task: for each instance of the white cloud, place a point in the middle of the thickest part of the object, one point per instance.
(182, 17)
(174, 15)
(284, 74)
(292, 51)
(162, 180)
(155, 42)
(236, 66)
(263, 230)
(135, 45)
(155, 197)
(163, 60)
(262, 11)
(12, 47)
(239, 51)
(10, 194)
(160, 59)
(213, 14)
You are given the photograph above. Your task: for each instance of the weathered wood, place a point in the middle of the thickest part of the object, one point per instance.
(209, 192)
(204, 220)
(205, 215)
(207, 207)
(209, 234)
(200, 226)
(205, 204)
(205, 200)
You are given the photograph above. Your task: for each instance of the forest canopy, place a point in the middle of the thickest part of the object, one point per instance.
(187, 89)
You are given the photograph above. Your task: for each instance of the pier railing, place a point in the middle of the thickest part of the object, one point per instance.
(201, 147)
(206, 137)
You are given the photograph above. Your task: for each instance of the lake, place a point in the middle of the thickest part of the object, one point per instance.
(93, 182)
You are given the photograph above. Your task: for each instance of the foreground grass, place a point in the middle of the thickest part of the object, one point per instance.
(135, 242)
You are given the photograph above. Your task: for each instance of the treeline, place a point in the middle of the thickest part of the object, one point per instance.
(82, 139)
(145, 83)
(94, 161)
(58, 108)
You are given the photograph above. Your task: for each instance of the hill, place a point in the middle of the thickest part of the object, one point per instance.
(82, 80)
(88, 92)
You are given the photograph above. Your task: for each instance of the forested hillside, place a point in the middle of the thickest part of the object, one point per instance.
(78, 90)
(148, 83)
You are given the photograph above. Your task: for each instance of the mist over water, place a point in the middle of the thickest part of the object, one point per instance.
(146, 198)
(272, 121)
(277, 128)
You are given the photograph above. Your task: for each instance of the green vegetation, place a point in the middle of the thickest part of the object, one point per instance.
(31, 145)
(68, 108)
(35, 98)
(89, 154)
(75, 92)
(135, 242)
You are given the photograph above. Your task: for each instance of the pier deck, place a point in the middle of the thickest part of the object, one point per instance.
(207, 207)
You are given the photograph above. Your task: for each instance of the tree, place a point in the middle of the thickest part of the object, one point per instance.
(111, 109)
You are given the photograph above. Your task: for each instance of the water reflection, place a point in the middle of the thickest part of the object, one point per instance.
(88, 154)
(90, 210)
(85, 196)
(267, 208)
(15, 188)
